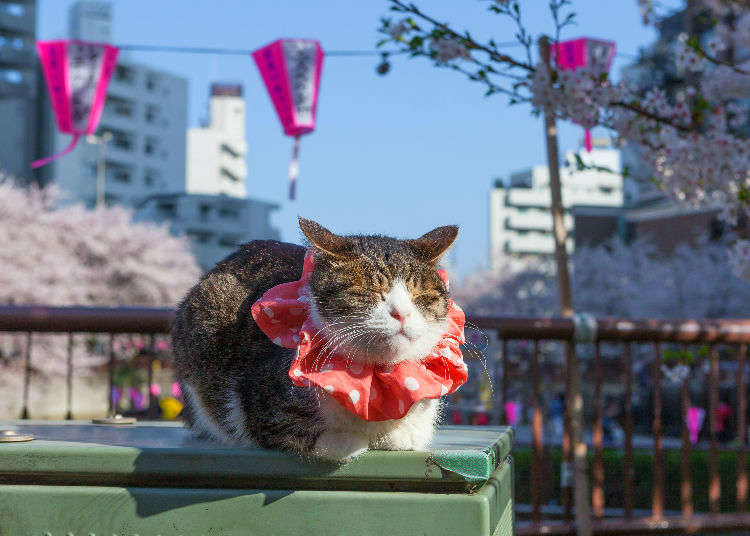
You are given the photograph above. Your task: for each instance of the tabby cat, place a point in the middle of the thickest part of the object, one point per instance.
(236, 380)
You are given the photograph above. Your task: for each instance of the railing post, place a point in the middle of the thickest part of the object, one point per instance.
(152, 406)
(504, 382)
(657, 500)
(741, 431)
(686, 486)
(714, 486)
(628, 457)
(566, 472)
(69, 380)
(597, 496)
(26, 378)
(111, 375)
(537, 437)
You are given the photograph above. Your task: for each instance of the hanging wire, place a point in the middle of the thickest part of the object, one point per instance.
(246, 52)
(242, 51)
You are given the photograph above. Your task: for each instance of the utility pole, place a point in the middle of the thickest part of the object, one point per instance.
(101, 169)
(574, 400)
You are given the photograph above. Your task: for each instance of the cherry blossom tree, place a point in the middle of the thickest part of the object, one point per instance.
(69, 255)
(694, 140)
(616, 279)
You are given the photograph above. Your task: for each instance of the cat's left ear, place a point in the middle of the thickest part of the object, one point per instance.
(431, 246)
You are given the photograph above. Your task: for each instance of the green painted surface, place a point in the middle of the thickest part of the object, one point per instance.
(153, 479)
(82, 510)
(158, 454)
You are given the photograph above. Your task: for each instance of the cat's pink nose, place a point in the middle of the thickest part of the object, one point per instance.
(399, 315)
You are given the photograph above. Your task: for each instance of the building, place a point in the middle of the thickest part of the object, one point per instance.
(216, 152)
(665, 226)
(212, 208)
(146, 116)
(19, 88)
(520, 216)
(215, 224)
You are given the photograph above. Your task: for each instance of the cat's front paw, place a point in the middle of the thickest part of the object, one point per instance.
(340, 446)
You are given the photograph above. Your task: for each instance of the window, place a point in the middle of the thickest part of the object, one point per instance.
(167, 208)
(151, 82)
(229, 241)
(12, 76)
(229, 213)
(118, 172)
(606, 189)
(119, 106)
(200, 237)
(152, 113)
(17, 10)
(125, 74)
(205, 210)
(152, 145)
(226, 174)
(121, 139)
(151, 177)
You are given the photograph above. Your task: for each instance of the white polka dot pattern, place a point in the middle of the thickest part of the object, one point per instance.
(372, 392)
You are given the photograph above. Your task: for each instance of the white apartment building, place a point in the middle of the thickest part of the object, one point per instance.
(520, 216)
(212, 209)
(146, 114)
(216, 152)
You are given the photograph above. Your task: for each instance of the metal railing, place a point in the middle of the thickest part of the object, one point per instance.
(729, 336)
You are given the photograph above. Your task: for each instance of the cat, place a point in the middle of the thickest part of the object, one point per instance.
(236, 381)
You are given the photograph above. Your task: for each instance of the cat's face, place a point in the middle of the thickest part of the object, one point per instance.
(379, 299)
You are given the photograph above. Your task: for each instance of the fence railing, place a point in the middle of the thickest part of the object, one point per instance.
(724, 341)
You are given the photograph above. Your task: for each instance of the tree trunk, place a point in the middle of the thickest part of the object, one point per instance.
(573, 391)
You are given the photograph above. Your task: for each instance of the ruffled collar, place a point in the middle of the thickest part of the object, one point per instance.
(373, 392)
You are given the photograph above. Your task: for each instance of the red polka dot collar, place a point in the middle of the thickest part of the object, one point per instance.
(372, 392)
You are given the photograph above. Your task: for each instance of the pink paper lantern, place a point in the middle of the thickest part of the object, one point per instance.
(77, 74)
(176, 390)
(596, 54)
(291, 69)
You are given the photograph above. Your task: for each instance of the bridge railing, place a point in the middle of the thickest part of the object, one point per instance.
(708, 344)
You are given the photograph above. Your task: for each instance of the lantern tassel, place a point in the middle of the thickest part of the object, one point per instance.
(294, 169)
(587, 141)
(44, 161)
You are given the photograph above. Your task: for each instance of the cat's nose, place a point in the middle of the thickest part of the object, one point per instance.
(401, 316)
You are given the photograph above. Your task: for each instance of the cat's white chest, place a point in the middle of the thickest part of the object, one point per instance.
(411, 432)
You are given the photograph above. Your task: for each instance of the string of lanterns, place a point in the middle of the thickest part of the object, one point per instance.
(77, 74)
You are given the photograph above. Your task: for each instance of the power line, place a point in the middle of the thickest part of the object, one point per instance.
(248, 52)
(245, 52)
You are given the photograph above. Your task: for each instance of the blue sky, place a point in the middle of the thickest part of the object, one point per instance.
(396, 155)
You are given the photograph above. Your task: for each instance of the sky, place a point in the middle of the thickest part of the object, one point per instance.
(398, 154)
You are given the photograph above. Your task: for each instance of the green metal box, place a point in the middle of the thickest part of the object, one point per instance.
(83, 479)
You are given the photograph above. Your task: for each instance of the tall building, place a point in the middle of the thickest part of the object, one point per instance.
(216, 152)
(146, 116)
(212, 209)
(520, 216)
(19, 88)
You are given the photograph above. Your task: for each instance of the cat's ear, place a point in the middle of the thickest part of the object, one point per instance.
(432, 245)
(325, 240)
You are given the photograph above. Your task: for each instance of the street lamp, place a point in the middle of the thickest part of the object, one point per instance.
(100, 140)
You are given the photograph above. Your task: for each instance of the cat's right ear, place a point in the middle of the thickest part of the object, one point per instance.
(324, 240)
